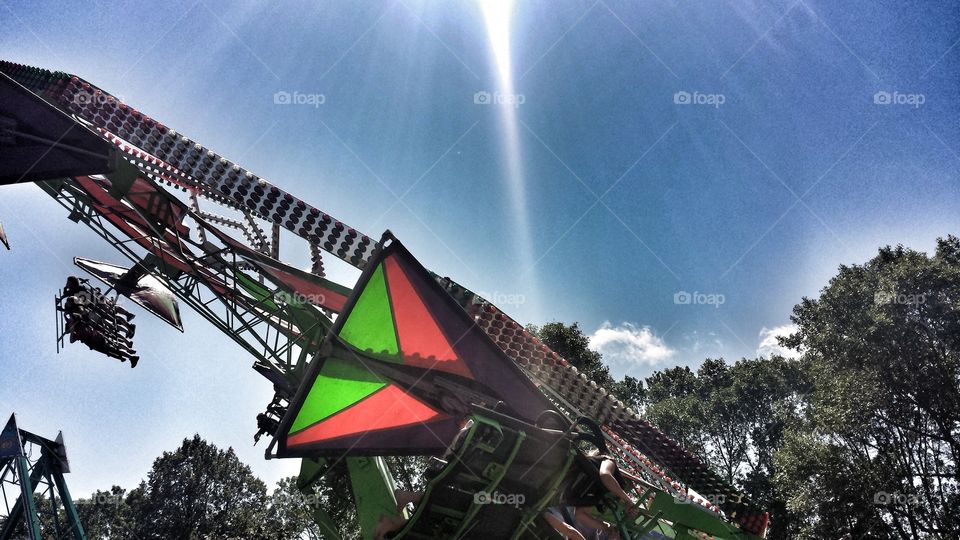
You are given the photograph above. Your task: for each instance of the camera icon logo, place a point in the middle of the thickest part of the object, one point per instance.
(682, 297)
(882, 98)
(281, 98)
(482, 497)
(682, 98)
(481, 97)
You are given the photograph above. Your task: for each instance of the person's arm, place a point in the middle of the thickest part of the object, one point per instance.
(566, 530)
(609, 481)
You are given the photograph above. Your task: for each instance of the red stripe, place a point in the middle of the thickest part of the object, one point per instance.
(388, 408)
(421, 340)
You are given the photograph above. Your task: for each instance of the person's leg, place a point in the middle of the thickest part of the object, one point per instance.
(584, 517)
(388, 524)
(565, 529)
(406, 497)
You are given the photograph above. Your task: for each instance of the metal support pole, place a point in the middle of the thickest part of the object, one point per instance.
(73, 518)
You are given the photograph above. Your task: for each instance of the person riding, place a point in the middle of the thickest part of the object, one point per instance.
(102, 325)
(612, 478)
(389, 524)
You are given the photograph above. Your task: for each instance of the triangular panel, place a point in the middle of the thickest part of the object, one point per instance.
(369, 326)
(387, 408)
(145, 290)
(340, 384)
(3, 237)
(10, 443)
(401, 365)
(421, 341)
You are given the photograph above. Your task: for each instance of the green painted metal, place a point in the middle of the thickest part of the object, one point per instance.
(689, 516)
(544, 501)
(257, 291)
(373, 491)
(492, 486)
(47, 467)
(311, 472)
(370, 325)
(73, 518)
(340, 384)
(454, 459)
(30, 506)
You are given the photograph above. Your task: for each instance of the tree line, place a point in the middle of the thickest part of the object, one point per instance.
(202, 491)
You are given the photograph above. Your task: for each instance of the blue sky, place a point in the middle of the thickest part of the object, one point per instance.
(636, 151)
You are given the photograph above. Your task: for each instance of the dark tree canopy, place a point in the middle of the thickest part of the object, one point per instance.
(199, 490)
(876, 452)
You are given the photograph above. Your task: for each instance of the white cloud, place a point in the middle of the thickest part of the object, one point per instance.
(629, 345)
(768, 342)
(704, 342)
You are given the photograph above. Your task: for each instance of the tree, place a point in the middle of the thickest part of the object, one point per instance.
(106, 514)
(734, 418)
(572, 344)
(876, 452)
(198, 491)
(671, 405)
(290, 512)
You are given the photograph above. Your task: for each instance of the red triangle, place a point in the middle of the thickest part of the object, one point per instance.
(422, 343)
(387, 408)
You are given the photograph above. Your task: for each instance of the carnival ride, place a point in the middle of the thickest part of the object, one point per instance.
(388, 366)
(35, 495)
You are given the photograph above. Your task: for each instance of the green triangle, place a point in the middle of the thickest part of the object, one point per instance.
(339, 384)
(369, 326)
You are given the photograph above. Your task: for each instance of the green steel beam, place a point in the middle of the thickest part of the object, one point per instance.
(73, 518)
(373, 489)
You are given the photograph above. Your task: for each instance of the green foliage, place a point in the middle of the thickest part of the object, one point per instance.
(572, 344)
(732, 417)
(336, 500)
(106, 514)
(198, 491)
(290, 511)
(201, 491)
(876, 452)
